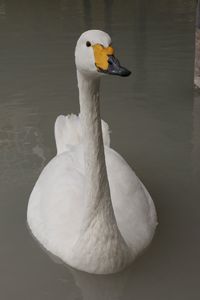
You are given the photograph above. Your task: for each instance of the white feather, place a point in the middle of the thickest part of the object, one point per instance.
(90, 210)
(68, 132)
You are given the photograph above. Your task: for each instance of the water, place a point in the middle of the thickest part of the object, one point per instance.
(155, 120)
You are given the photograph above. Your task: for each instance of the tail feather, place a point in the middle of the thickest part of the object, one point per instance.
(68, 132)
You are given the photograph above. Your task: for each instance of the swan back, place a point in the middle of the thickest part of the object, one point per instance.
(68, 132)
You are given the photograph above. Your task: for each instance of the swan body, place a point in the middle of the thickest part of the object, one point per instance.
(88, 207)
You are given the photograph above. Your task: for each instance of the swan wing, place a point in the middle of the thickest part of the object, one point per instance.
(134, 209)
(56, 205)
(68, 132)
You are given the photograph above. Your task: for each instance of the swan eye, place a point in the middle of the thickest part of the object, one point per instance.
(88, 44)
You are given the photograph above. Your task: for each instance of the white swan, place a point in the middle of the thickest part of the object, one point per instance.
(70, 210)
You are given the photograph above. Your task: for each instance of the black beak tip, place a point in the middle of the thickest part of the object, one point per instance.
(115, 68)
(124, 72)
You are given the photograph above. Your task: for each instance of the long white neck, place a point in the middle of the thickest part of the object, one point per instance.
(100, 245)
(97, 191)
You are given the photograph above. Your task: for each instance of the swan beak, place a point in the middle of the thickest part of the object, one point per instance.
(115, 68)
(106, 62)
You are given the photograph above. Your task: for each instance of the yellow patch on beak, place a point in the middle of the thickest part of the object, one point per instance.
(101, 55)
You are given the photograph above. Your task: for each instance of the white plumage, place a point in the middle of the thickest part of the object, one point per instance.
(68, 132)
(73, 211)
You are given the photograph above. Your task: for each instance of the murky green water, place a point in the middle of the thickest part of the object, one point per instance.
(155, 120)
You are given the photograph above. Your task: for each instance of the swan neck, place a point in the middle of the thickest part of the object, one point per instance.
(99, 228)
(97, 191)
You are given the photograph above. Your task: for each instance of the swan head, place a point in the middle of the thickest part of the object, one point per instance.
(94, 55)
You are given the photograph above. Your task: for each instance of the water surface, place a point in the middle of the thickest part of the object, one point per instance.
(155, 121)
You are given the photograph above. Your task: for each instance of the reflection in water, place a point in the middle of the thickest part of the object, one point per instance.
(2, 9)
(92, 286)
(21, 142)
(87, 14)
(196, 136)
(197, 59)
(154, 106)
(197, 48)
(100, 287)
(140, 42)
(92, 11)
(108, 6)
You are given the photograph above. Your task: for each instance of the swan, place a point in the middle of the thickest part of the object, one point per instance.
(88, 207)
